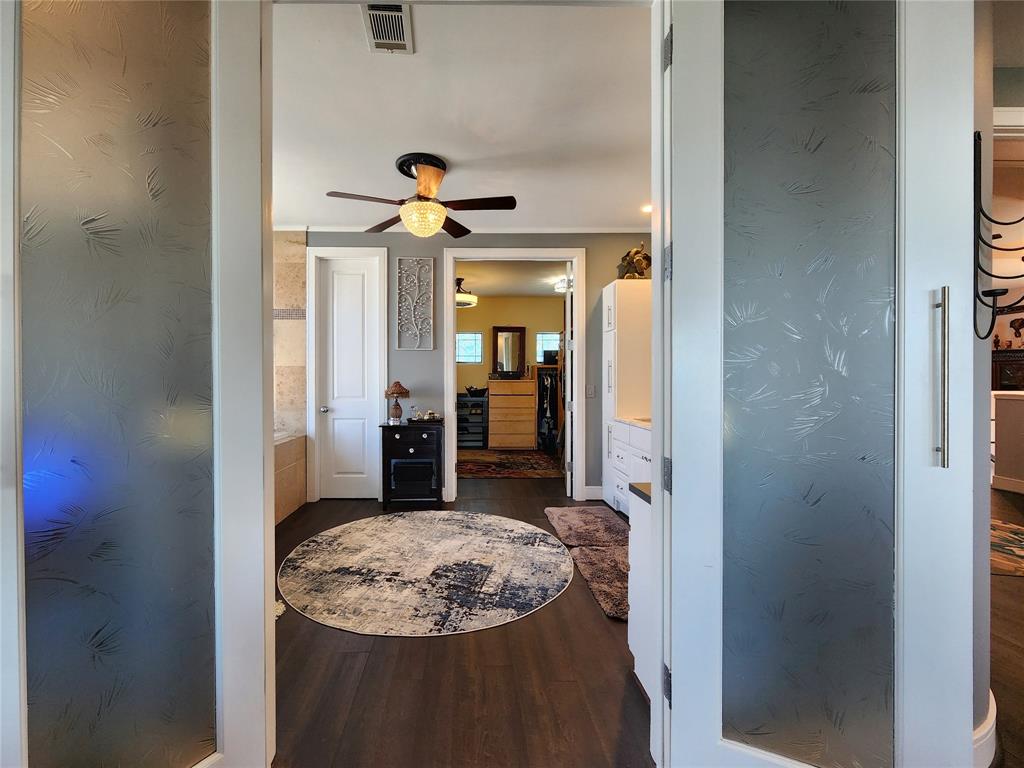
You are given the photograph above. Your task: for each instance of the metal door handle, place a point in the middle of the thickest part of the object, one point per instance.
(943, 447)
(324, 409)
(609, 375)
(609, 441)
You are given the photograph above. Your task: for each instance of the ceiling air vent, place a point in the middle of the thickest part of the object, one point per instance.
(388, 27)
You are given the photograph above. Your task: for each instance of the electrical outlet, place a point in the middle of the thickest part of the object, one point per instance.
(591, 390)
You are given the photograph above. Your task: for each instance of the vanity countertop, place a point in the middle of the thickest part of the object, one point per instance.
(643, 490)
(641, 423)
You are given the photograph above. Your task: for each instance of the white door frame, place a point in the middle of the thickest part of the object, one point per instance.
(242, 386)
(933, 617)
(314, 395)
(578, 258)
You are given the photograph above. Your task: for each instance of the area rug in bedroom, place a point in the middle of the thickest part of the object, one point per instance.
(506, 464)
(423, 573)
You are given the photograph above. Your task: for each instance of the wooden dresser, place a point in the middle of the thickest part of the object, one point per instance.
(512, 414)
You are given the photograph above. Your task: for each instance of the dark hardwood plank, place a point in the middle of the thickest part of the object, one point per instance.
(554, 689)
(1008, 643)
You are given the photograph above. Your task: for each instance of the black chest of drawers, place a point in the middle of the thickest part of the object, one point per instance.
(412, 457)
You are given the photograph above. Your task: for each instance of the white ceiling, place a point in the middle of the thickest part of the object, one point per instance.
(547, 103)
(510, 278)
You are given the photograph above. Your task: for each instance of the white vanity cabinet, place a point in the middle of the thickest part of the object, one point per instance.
(644, 626)
(625, 389)
(628, 460)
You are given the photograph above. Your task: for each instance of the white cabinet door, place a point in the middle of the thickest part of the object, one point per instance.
(608, 306)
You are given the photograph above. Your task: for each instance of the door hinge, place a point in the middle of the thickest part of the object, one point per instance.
(569, 405)
(666, 262)
(666, 683)
(666, 473)
(568, 466)
(666, 50)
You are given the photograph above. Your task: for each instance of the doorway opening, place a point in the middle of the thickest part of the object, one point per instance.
(512, 354)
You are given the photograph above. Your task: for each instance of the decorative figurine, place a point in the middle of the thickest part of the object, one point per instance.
(635, 264)
(995, 341)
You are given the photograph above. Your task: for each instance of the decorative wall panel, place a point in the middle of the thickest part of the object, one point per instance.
(809, 360)
(115, 266)
(415, 304)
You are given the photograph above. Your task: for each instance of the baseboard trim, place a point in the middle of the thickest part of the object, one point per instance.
(1008, 484)
(985, 737)
(592, 493)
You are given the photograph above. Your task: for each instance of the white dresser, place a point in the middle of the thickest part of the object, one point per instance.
(626, 389)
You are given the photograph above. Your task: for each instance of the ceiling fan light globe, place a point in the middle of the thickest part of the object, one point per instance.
(423, 218)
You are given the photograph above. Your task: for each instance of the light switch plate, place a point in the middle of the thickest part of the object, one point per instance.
(591, 390)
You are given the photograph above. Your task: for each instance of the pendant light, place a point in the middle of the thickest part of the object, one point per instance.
(463, 298)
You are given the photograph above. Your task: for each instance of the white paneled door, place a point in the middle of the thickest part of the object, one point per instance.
(350, 371)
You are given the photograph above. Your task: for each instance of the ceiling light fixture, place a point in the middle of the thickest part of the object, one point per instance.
(647, 209)
(562, 286)
(463, 298)
(422, 217)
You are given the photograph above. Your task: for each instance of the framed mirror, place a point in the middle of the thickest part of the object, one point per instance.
(508, 350)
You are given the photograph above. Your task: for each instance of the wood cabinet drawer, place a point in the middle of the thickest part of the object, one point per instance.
(511, 387)
(499, 415)
(512, 428)
(518, 402)
(511, 441)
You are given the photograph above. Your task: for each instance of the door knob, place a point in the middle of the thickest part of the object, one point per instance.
(324, 409)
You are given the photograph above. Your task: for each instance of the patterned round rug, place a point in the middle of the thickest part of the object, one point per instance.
(417, 574)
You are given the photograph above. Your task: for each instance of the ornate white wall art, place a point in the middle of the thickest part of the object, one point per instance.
(414, 314)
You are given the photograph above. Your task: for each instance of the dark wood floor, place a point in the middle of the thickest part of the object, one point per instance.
(1008, 643)
(552, 690)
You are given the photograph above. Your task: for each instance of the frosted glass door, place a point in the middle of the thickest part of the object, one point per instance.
(115, 266)
(809, 379)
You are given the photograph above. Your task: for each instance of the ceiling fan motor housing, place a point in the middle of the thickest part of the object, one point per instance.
(406, 164)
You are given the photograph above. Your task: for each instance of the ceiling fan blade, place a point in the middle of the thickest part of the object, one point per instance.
(453, 228)
(506, 203)
(385, 225)
(365, 198)
(428, 180)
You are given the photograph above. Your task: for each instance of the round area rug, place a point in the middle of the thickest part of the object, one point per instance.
(417, 574)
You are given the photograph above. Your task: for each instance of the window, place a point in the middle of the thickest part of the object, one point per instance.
(469, 347)
(547, 340)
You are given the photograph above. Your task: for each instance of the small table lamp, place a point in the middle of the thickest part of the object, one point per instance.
(396, 390)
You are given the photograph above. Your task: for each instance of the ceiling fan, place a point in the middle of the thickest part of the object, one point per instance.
(423, 214)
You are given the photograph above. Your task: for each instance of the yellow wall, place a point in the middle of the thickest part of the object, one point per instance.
(539, 314)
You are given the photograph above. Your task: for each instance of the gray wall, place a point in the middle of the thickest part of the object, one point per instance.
(423, 372)
(1009, 86)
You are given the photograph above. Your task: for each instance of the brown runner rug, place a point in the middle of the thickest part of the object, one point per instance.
(588, 526)
(600, 547)
(1007, 549)
(506, 464)
(606, 571)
